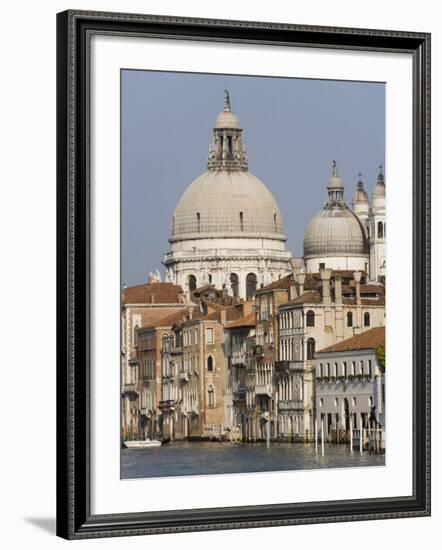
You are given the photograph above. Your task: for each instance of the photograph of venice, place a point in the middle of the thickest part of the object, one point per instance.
(252, 306)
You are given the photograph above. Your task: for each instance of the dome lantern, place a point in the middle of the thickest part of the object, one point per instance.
(227, 150)
(335, 186)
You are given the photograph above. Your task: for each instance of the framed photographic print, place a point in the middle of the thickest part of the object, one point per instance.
(226, 281)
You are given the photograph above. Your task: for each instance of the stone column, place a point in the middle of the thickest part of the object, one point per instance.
(357, 279)
(242, 284)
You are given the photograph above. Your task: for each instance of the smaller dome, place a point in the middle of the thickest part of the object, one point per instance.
(335, 231)
(227, 120)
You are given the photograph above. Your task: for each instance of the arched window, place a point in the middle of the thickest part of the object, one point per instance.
(234, 283)
(380, 230)
(241, 221)
(198, 221)
(310, 348)
(229, 146)
(210, 278)
(192, 283)
(210, 396)
(274, 220)
(385, 230)
(310, 318)
(210, 363)
(349, 319)
(366, 319)
(251, 282)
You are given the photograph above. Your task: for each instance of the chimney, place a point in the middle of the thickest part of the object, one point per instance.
(338, 290)
(357, 279)
(223, 316)
(248, 307)
(325, 274)
(301, 282)
(190, 313)
(293, 291)
(152, 299)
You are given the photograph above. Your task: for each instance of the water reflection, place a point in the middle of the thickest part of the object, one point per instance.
(201, 458)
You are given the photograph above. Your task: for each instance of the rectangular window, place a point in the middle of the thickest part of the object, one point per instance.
(209, 335)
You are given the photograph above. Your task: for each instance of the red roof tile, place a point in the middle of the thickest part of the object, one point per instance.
(246, 321)
(152, 293)
(369, 339)
(280, 284)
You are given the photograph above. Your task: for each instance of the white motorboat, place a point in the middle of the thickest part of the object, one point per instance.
(142, 444)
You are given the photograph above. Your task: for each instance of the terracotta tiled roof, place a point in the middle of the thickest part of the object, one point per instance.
(232, 314)
(312, 297)
(246, 321)
(370, 339)
(280, 284)
(152, 293)
(213, 305)
(168, 320)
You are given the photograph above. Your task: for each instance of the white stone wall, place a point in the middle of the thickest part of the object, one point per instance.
(266, 258)
(361, 390)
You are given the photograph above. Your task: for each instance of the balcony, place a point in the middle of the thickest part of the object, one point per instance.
(296, 366)
(176, 350)
(130, 387)
(167, 405)
(264, 389)
(184, 376)
(290, 405)
(238, 359)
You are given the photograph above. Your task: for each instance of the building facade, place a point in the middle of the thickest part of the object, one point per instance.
(141, 305)
(323, 309)
(350, 386)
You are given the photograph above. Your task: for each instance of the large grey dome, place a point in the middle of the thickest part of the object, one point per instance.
(227, 203)
(335, 231)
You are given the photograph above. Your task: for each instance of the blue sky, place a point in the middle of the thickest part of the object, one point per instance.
(292, 128)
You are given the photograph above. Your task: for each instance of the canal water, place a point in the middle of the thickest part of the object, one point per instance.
(205, 457)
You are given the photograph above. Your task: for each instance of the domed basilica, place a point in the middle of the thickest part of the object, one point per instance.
(227, 229)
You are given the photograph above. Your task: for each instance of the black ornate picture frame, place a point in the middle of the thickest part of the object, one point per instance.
(74, 518)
